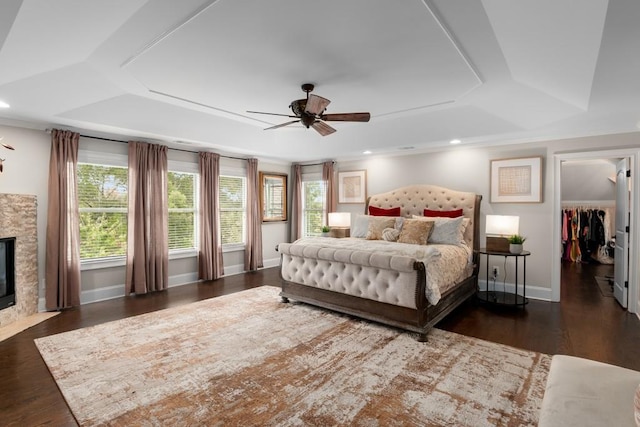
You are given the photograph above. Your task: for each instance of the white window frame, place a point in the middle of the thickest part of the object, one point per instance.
(187, 167)
(307, 177)
(103, 159)
(237, 173)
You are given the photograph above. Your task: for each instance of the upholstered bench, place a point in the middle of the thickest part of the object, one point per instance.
(584, 393)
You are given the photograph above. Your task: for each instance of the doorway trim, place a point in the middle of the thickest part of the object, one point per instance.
(634, 247)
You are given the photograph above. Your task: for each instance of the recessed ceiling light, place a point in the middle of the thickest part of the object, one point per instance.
(455, 141)
(3, 104)
(366, 152)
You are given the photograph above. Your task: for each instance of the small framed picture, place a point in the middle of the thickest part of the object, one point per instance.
(352, 187)
(516, 180)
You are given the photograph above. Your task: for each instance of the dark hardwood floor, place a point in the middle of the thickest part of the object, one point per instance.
(585, 324)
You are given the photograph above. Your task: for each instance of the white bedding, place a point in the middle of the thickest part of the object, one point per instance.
(445, 265)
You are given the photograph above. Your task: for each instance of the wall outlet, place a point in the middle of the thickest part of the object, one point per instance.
(495, 272)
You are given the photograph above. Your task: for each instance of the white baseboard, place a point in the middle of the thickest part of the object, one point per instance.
(533, 292)
(117, 291)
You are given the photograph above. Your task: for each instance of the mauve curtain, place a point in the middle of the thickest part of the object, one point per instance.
(253, 245)
(296, 203)
(62, 262)
(210, 263)
(148, 229)
(329, 182)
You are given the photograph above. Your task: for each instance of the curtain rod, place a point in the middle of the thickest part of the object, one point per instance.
(315, 164)
(170, 148)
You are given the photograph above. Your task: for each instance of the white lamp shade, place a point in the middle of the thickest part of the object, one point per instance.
(340, 219)
(502, 225)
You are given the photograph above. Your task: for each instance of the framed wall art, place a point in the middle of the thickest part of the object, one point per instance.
(352, 187)
(516, 180)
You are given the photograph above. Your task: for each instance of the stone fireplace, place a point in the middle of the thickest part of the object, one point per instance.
(18, 219)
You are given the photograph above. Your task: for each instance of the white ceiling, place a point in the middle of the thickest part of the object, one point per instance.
(487, 71)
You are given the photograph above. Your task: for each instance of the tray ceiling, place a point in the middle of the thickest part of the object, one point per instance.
(428, 71)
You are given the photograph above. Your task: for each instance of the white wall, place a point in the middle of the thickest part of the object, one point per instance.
(26, 171)
(589, 181)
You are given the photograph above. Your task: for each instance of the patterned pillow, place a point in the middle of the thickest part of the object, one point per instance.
(377, 226)
(415, 232)
(390, 234)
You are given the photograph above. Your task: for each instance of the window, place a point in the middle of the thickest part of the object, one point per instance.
(102, 197)
(103, 201)
(313, 207)
(182, 210)
(233, 210)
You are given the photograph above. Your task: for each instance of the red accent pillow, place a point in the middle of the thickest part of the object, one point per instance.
(384, 212)
(446, 214)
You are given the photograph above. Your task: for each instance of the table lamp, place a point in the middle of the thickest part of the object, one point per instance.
(340, 223)
(497, 231)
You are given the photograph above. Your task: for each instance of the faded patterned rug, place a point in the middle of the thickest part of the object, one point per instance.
(248, 359)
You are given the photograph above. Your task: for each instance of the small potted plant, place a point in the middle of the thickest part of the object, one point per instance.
(515, 243)
(326, 230)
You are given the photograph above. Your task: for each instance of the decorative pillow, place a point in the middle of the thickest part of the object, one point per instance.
(443, 214)
(415, 231)
(447, 231)
(377, 226)
(360, 226)
(384, 212)
(390, 234)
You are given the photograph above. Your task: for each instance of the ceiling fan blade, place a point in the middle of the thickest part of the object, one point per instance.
(7, 146)
(316, 104)
(346, 117)
(323, 128)
(283, 124)
(271, 114)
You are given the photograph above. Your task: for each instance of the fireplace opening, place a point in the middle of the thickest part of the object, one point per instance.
(7, 272)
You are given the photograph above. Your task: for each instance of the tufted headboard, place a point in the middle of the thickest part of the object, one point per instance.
(414, 199)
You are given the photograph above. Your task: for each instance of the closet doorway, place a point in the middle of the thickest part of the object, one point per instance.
(593, 234)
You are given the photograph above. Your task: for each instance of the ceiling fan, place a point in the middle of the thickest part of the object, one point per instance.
(311, 113)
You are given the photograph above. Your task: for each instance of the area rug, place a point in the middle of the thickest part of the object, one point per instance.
(249, 359)
(605, 285)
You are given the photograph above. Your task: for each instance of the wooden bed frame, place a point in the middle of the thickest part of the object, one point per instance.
(413, 200)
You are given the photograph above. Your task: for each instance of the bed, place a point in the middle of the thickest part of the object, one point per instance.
(408, 285)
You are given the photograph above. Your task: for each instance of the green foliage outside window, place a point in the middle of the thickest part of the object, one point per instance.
(182, 216)
(103, 201)
(102, 195)
(313, 207)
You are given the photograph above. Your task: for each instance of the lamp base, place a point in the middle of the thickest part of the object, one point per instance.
(497, 244)
(339, 232)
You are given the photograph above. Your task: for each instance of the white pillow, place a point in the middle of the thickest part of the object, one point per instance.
(360, 226)
(446, 231)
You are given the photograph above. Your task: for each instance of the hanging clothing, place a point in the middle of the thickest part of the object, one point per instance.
(585, 235)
